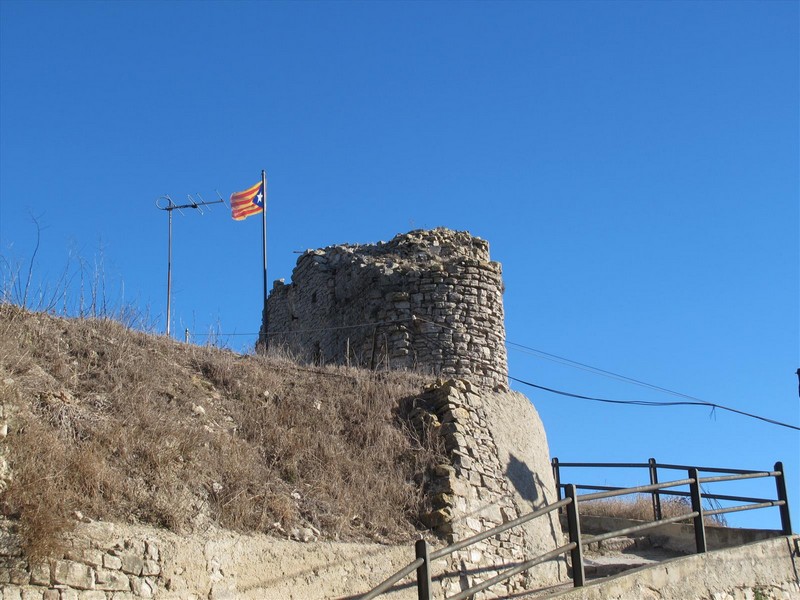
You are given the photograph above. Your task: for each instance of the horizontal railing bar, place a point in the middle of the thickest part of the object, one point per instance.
(579, 486)
(625, 491)
(670, 493)
(643, 527)
(635, 490)
(739, 477)
(734, 498)
(375, 592)
(658, 466)
(624, 465)
(609, 487)
(499, 529)
(704, 469)
(511, 572)
(730, 509)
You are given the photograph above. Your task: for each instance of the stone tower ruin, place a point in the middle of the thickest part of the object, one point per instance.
(429, 300)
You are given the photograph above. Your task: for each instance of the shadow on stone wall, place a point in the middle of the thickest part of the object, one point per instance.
(523, 479)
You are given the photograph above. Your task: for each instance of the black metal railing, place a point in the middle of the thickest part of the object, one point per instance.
(653, 466)
(571, 502)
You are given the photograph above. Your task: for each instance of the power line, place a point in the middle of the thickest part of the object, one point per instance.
(690, 400)
(712, 405)
(598, 371)
(315, 330)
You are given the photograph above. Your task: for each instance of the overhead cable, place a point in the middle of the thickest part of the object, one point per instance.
(712, 405)
(689, 400)
(599, 371)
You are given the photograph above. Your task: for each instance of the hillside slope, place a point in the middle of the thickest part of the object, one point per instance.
(111, 424)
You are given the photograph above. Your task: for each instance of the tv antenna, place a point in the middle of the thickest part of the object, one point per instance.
(166, 203)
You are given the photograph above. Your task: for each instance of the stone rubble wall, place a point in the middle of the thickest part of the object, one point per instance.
(124, 562)
(123, 569)
(495, 475)
(426, 300)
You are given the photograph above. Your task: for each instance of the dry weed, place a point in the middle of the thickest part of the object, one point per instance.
(124, 426)
(640, 508)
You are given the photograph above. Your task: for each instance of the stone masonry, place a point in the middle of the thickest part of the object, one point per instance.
(429, 300)
(474, 492)
(125, 570)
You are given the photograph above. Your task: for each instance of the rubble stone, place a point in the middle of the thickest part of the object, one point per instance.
(429, 300)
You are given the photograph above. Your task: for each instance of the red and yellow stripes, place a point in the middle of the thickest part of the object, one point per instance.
(246, 203)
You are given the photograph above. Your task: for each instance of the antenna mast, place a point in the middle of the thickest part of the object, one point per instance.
(166, 203)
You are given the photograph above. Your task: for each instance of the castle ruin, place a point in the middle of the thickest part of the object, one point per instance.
(429, 300)
(432, 301)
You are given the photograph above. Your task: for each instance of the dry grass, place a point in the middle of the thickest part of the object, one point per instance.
(123, 426)
(640, 508)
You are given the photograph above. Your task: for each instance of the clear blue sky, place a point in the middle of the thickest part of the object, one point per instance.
(634, 166)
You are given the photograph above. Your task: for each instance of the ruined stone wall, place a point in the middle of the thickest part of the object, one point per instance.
(426, 300)
(120, 568)
(498, 471)
(106, 561)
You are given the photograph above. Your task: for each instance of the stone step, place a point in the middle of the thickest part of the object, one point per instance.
(595, 567)
(619, 544)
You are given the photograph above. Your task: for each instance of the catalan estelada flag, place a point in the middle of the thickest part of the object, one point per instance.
(248, 202)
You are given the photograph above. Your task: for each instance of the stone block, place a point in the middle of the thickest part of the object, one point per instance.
(91, 595)
(444, 470)
(12, 592)
(73, 574)
(131, 564)
(438, 517)
(112, 562)
(32, 593)
(69, 594)
(150, 567)
(112, 581)
(136, 547)
(474, 524)
(93, 557)
(20, 576)
(142, 587)
(51, 595)
(40, 574)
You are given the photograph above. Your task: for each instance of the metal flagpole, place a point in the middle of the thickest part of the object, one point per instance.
(264, 241)
(169, 266)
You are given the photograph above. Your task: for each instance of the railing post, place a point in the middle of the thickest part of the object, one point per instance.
(780, 484)
(656, 496)
(556, 477)
(423, 571)
(574, 527)
(697, 506)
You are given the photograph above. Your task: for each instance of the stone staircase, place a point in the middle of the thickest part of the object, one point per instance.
(615, 555)
(611, 557)
(638, 560)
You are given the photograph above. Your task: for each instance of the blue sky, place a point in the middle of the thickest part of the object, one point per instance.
(634, 166)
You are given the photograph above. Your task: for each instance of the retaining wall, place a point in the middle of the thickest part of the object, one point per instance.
(497, 469)
(766, 570)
